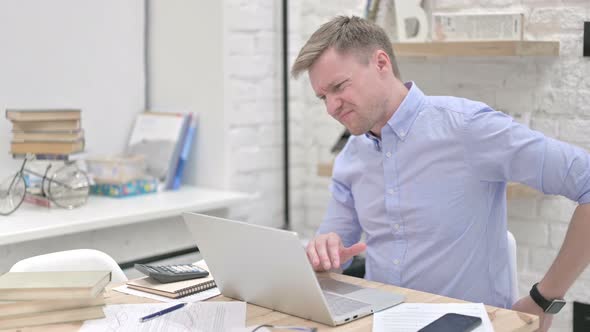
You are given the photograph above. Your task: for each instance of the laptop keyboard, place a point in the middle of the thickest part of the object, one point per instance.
(340, 305)
(338, 287)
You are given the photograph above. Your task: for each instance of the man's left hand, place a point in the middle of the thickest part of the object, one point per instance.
(526, 304)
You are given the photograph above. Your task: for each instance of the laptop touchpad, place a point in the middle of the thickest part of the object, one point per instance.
(337, 287)
(377, 298)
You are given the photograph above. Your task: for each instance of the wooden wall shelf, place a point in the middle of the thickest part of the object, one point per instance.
(513, 191)
(478, 48)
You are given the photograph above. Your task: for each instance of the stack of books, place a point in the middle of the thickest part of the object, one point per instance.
(46, 132)
(39, 298)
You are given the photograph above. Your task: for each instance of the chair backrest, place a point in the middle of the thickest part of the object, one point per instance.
(513, 267)
(72, 260)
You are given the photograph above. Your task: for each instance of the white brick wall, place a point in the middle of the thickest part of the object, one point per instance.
(254, 124)
(316, 130)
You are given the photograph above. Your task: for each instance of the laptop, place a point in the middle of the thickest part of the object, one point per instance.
(269, 267)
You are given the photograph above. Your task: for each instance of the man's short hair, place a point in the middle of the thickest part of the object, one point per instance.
(347, 35)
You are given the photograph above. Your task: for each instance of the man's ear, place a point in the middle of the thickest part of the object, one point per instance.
(382, 60)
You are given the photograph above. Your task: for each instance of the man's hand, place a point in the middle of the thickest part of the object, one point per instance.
(326, 251)
(526, 304)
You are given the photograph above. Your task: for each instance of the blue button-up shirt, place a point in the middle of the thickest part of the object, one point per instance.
(430, 195)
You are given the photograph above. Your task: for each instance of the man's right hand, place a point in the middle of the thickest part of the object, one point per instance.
(326, 251)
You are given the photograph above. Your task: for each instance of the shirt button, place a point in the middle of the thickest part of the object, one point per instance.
(396, 226)
(388, 154)
(390, 191)
(396, 261)
(402, 133)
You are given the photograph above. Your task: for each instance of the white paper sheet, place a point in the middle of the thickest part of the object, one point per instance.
(410, 317)
(250, 329)
(276, 327)
(199, 316)
(201, 296)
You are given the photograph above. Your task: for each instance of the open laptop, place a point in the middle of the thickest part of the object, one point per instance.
(269, 267)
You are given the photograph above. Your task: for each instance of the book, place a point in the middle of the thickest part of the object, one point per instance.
(177, 289)
(37, 198)
(46, 126)
(52, 317)
(185, 152)
(37, 306)
(52, 285)
(43, 114)
(55, 157)
(171, 290)
(158, 136)
(47, 147)
(51, 136)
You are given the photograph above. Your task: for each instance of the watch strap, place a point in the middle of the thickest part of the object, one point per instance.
(538, 298)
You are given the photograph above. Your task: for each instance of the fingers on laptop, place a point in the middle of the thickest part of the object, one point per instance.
(324, 251)
(312, 255)
(334, 246)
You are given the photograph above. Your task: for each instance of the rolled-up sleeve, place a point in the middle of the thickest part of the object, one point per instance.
(501, 149)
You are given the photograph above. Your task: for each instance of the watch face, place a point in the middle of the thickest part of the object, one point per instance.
(555, 306)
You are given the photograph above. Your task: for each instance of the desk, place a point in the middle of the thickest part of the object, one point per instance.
(502, 319)
(31, 222)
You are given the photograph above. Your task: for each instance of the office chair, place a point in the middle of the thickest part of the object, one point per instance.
(72, 260)
(513, 269)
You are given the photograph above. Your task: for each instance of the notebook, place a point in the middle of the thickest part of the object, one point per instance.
(51, 317)
(52, 285)
(177, 289)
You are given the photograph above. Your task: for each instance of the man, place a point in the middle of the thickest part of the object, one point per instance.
(424, 178)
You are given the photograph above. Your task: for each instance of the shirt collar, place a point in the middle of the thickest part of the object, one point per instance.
(376, 140)
(403, 118)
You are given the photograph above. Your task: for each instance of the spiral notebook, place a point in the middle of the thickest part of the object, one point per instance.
(174, 290)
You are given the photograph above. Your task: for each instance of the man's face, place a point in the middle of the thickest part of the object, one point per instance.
(351, 90)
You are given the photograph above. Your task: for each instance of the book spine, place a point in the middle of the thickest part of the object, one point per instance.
(43, 114)
(197, 288)
(176, 154)
(186, 149)
(38, 200)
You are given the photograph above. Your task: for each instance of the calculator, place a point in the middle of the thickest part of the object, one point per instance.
(172, 273)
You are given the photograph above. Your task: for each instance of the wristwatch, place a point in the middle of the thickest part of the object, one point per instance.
(548, 306)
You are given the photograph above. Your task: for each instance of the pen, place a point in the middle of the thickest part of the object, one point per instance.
(161, 312)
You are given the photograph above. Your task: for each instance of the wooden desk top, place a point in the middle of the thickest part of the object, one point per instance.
(502, 319)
